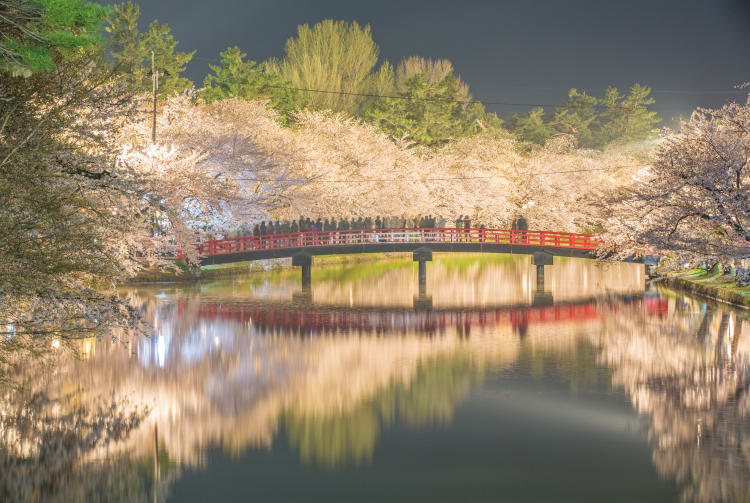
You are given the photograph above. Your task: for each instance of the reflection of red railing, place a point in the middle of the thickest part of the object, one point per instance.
(395, 236)
(329, 319)
(395, 321)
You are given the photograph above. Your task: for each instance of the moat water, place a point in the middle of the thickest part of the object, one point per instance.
(480, 387)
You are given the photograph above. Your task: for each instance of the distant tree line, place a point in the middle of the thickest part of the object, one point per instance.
(421, 101)
(595, 122)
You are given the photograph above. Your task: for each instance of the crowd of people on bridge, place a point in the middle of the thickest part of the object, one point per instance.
(385, 222)
(309, 232)
(345, 224)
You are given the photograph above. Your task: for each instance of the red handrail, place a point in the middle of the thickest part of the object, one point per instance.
(393, 236)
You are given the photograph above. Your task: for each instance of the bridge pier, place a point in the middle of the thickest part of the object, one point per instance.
(304, 260)
(422, 255)
(541, 297)
(422, 302)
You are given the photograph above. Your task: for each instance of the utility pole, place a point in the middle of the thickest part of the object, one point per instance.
(155, 87)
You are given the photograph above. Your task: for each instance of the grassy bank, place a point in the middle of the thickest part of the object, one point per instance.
(211, 272)
(712, 284)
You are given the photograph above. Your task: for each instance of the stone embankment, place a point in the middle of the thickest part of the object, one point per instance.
(720, 287)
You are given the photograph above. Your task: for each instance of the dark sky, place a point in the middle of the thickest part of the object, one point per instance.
(520, 51)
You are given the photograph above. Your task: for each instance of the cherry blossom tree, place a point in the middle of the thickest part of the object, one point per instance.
(206, 174)
(694, 198)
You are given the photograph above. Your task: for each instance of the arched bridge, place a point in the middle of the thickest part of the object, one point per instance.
(249, 248)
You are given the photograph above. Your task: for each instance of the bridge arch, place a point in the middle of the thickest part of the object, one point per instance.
(249, 248)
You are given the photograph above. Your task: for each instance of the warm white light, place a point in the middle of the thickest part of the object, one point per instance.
(56, 343)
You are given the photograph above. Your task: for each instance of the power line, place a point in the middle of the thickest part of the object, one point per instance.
(677, 91)
(465, 102)
(483, 102)
(736, 90)
(396, 97)
(434, 179)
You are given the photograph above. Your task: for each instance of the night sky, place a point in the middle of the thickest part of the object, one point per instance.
(519, 51)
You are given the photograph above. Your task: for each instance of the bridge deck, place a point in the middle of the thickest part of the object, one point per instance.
(248, 248)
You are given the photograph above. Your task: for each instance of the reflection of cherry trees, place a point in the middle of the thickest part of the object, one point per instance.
(689, 374)
(349, 437)
(208, 380)
(51, 447)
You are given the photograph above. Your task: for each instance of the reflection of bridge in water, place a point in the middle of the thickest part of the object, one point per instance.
(330, 319)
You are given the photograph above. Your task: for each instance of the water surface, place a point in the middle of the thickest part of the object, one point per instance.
(481, 387)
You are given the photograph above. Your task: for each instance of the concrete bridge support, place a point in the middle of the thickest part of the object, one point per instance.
(304, 260)
(422, 301)
(541, 297)
(422, 255)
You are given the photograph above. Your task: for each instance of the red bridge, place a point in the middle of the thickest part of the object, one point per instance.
(396, 240)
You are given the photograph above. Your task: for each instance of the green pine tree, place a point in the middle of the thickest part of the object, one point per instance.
(235, 77)
(35, 35)
(640, 121)
(429, 113)
(124, 43)
(530, 127)
(579, 117)
(169, 64)
(132, 51)
(626, 119)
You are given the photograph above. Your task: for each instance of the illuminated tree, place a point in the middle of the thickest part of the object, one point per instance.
(334, 56)
(693, 200)
(236, 77)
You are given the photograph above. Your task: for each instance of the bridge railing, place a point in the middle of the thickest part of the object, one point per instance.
(400, 235)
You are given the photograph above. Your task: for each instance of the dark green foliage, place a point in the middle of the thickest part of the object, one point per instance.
(124, 44)
(595, 123)
(59, 179)
(133, 50)
(170, 64)
(530, 127)
(627, 118)
(35, 33)
(579, 117)
(336, 56)
(235, 77)
(429, 113)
